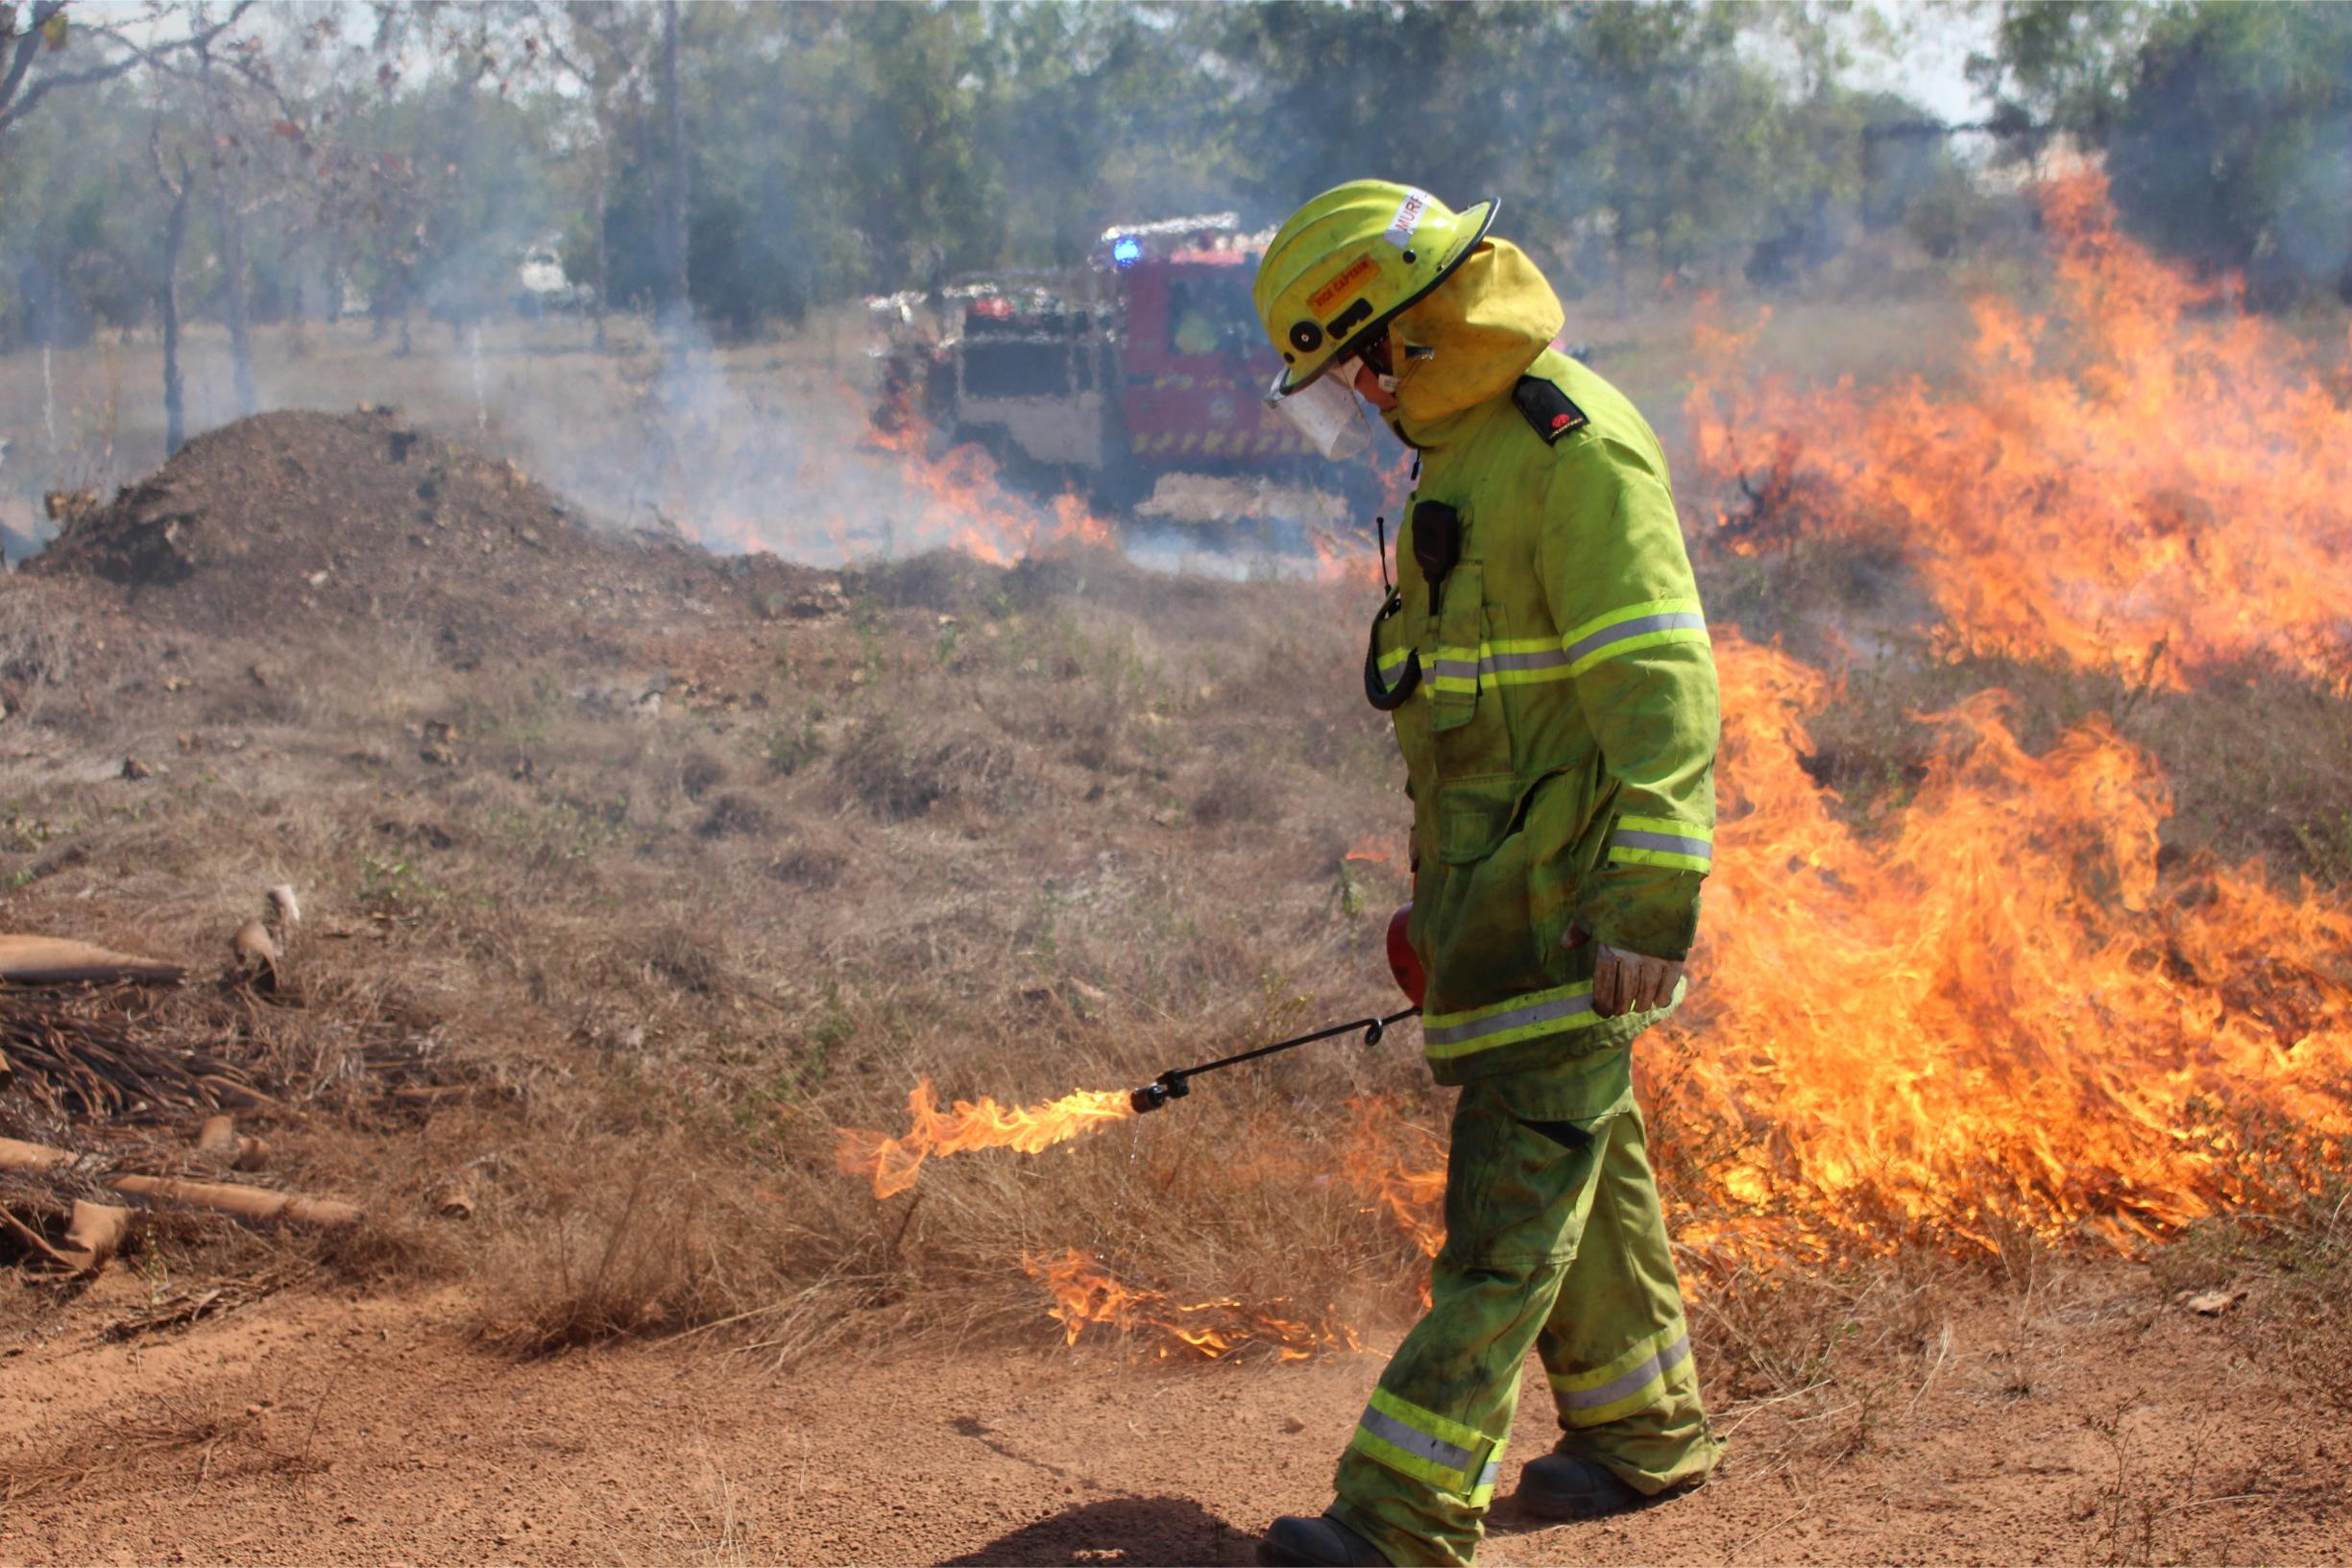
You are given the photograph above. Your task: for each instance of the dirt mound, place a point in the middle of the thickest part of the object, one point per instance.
(293, 516)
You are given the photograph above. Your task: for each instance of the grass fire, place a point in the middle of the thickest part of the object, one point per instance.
(945, 784)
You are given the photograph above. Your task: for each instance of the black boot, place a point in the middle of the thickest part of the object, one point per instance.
(1564, 1487)
(1293, 1542)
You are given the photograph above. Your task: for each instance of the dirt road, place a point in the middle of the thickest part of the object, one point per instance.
(2087, 1422)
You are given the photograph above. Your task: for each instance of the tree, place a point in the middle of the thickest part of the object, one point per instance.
(30, 38)
(2232, 146)
(599, 44)
(676, 307)
(2061, 63)
(2227, 129)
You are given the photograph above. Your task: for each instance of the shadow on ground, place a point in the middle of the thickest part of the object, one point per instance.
(1122, 1530)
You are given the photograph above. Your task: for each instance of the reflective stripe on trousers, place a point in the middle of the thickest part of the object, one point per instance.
(1455, 1459)
(1632, 1381)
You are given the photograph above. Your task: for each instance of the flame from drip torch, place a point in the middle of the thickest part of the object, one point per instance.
(893, 1164)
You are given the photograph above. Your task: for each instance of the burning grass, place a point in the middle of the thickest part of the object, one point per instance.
(2143, 476)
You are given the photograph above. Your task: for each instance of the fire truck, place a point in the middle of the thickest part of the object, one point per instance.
(1148, 360)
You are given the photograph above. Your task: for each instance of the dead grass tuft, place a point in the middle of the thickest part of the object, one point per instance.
(594, 1271)
(898, 774)
(685, 959)
(1237, 795)
(733, 816)
(701, 773)
(36, 651)
(936, 580)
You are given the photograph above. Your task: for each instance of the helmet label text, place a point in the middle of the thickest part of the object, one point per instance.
(1357, 274)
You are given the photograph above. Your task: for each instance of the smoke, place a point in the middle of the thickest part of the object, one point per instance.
(2315, 225)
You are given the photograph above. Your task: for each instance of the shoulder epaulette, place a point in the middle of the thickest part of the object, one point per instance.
(1551, 411)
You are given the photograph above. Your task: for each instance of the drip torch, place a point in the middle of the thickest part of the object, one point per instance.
(1177, 1082)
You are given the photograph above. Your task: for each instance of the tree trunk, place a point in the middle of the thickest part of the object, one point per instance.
(298, 308)
(675, 308)
(175, 411)
(603, 252)
(226, 190)
(232, 293)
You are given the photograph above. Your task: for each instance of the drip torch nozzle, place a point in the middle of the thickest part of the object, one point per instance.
(1177, 1082)
(1168, 1085)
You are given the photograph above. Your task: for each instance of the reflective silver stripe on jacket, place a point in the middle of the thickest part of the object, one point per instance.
(1550, 1011)
(1698, 849)
(1673, 620)
(1501, 663)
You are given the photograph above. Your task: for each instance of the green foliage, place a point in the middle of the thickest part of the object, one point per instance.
(793, 747)
(77, 222)
(2227, 127)
(394, 890)
(834, 150)
(2234, 145)
(2064, 62)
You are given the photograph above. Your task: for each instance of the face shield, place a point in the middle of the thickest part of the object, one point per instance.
(1325, 412)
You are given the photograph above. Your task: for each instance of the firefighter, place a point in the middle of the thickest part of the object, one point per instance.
(1545, 662)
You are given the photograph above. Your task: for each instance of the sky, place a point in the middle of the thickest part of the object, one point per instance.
(1930, 64)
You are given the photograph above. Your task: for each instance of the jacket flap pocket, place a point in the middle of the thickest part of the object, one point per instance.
(1453, 674)
(1475, 815)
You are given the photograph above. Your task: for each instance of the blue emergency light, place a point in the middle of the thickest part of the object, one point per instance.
(1125, 250)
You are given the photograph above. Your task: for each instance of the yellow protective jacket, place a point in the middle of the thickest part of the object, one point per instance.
(1560, 750)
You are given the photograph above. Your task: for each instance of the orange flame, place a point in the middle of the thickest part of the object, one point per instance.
(1998, 1012)
(2144, 471)
(893, 1164)
(1400, 1167)
(1084, 1295)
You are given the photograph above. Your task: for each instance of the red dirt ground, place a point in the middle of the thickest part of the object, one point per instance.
(2089, 1423)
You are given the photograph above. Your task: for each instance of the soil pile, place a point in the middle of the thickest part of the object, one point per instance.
(288, 516)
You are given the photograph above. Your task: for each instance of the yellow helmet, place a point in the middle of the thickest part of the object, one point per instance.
(1348, 261)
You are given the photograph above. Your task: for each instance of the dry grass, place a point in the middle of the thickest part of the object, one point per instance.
(2292, 1255)
(212, 1436)
(658, 969)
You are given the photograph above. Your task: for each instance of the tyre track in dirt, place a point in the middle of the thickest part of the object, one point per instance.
(2086, 1425)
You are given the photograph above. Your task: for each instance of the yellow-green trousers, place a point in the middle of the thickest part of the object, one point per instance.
(1554, 1239)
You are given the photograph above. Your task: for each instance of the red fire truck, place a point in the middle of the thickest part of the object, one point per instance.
(1149, 361)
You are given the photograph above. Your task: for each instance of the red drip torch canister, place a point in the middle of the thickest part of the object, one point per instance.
(1403, 962)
